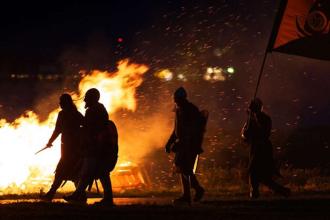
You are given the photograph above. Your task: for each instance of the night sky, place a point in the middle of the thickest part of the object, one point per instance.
(39, 34)
(185, 37)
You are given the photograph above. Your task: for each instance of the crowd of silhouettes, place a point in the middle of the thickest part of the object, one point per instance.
(89, 148)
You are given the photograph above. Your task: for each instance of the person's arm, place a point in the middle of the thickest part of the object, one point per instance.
(57, 131)
(244, 131)
(171, 140)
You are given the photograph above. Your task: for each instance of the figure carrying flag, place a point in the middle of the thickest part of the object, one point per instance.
(256, 133)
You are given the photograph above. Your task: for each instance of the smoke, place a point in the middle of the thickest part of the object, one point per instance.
(137, 138)
(147, 129)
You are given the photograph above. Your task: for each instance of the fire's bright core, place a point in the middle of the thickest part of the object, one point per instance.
(21, 171)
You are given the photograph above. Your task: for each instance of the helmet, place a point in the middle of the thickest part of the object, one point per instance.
(255, 105)
(92, 95)
(180, 93)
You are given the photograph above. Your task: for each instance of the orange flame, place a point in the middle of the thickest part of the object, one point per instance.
(23, 172)
(117, 89)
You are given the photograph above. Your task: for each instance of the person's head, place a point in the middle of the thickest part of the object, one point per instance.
(92, 97)
(66, 101)
(180, 96)
(255, 105)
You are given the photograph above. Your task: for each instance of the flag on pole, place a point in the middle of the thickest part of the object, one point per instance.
(302, 28)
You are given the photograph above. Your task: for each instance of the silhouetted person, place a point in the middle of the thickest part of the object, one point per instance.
(100, 149)
(185, 142)
(256, 133)
(68, 124)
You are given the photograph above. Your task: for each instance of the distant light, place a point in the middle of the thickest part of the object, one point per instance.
(214, 74)
(209, 70)
(120, 40)
(219, 77)
(165, 74)
(231, 70)
(182, 77)
(217, 70)
(207, 77)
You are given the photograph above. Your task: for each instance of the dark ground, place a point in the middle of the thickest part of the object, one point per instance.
(302, 207)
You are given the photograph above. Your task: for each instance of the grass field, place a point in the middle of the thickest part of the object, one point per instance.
(302, 206)
(226, 198)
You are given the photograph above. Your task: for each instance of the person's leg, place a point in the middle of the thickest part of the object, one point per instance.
(83, 183)
(79, 195)
(86, 178)
(180, 161)
(186, 185)
(254, 182)
(58, 178)
(55, 185)
(198, 188)
(185, 181)
(190, 166)
(107, 188)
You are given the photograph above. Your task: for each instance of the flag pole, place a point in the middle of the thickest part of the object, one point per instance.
(271, 41)
(257, 86)
(260, 74)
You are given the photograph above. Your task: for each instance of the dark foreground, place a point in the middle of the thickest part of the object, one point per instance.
(131, 208)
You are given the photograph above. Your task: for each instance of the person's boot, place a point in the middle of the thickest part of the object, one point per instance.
(186, 197)
(254, 190)
(278, 188)
(107, 187)
(76, 197)
(199, 190)
(48, 197)
(107, 199)
(254, 194)
(106, 202)
(199, 194)
(182, 200)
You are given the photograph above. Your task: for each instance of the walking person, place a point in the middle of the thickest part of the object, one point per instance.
(101, 149)
(68, 124)
(185, 141)
(256, 133)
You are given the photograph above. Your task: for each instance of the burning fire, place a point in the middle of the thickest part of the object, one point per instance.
(21, 171)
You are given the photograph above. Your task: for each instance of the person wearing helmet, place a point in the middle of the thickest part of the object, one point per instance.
(185, 142)
(68, 124)
(256, 132)
(96, 164)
